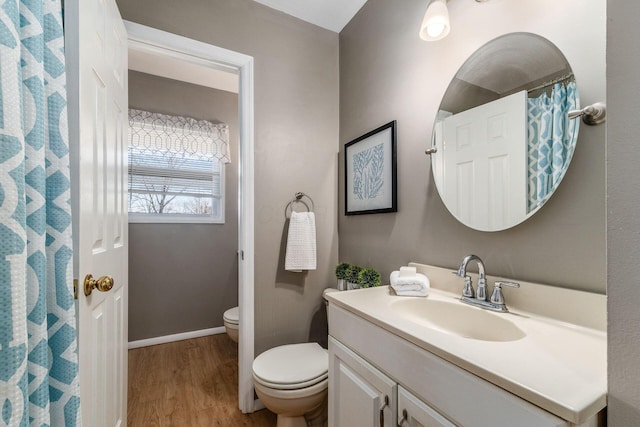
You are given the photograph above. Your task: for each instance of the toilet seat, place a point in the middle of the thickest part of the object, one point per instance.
(299, 393)
(291, 386)
(231, 316)
(292, 366)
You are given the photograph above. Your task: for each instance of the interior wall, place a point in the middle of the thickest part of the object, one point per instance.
(623, 204)
(296, 142)
(182, 277)
(387, 72)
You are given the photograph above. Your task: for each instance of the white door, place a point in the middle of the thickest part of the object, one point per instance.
(485, 163)
(102, 249)
(359, 394)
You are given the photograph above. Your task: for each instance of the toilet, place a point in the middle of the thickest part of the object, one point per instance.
(292, 381)
(231, 321)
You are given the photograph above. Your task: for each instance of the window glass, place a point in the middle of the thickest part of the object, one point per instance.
(176, 168)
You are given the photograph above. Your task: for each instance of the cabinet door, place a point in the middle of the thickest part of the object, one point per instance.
(415, 413)
(359, 394)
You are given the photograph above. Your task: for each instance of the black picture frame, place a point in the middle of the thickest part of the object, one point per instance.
(370, 172)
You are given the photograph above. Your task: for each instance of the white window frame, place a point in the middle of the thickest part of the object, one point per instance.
(152, 218)
(168, 218)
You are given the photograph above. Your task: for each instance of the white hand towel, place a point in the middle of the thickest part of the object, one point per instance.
(407, 271)
(417, 285)
(301, 242)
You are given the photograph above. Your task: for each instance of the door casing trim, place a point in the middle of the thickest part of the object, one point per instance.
(161, 42)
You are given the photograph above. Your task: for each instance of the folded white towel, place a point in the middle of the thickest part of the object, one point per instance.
(301, 242)
(417, 285)
(407, 271)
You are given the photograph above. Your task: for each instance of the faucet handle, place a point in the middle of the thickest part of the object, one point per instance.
(510, 284)
(496, 296)
(467, 291)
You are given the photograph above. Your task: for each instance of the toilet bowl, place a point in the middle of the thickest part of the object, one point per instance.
(291, 381)
(231, 322)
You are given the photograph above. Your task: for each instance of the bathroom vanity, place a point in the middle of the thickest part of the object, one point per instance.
(435, 361)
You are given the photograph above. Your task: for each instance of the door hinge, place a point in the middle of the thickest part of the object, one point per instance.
(75, 288)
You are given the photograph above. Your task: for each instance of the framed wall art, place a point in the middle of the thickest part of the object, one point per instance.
(370, 172)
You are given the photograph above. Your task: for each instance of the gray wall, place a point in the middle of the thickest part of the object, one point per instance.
(296, 137)
(623, 204)
(182, 277)
(387, 72)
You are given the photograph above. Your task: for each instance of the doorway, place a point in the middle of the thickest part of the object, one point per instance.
(177, 48)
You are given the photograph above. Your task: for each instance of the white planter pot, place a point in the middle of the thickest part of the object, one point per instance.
(352, 286)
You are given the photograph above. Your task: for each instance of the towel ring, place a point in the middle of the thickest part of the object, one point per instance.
(297, 198)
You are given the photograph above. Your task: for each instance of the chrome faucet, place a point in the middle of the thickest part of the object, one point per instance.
(482, 280)
(479, 299)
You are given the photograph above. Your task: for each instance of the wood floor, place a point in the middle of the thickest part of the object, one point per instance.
(191, 383)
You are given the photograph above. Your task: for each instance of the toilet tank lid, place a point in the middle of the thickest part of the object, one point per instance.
(292, 363)
(232, 315)
(328, 291)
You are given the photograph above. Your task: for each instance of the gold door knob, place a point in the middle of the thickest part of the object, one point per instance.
(103, 284)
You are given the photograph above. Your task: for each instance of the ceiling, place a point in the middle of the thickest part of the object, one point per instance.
(182, 70)
(330, 14)
(513, 62)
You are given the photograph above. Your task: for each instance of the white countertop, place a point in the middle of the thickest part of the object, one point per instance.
(558, 366)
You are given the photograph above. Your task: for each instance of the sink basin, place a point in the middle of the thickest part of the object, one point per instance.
(459, 319)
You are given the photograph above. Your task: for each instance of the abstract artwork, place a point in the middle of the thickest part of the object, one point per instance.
(370, 172)
(368, 166)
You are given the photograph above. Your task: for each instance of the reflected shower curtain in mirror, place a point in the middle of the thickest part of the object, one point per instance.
(550, 135)
(38, 341)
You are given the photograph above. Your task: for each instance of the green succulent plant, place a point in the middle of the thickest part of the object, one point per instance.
(341, 270)
(352, 273)
(368, 278)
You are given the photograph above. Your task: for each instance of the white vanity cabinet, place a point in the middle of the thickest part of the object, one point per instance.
(362, 395)
(367, 363)
(413, 412)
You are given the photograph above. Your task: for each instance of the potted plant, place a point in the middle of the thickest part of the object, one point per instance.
(341, 275)
(368, 277)
(352, 276)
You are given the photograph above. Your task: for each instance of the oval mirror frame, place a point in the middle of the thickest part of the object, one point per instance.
(502, 137)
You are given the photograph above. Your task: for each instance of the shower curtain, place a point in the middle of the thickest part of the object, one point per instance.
(551, 138)
(38, 341)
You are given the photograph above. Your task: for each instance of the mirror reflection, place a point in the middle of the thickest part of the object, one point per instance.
(502, 134)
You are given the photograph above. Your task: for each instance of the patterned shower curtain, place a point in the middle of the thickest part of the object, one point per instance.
(551, 139)
(38, 341)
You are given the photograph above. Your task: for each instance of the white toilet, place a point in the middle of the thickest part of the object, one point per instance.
(292, 381)
(231, 320)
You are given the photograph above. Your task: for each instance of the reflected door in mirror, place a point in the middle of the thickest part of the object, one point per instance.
(502, 133)
(483, 161)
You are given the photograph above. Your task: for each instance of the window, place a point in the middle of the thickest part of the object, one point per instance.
(176, 168)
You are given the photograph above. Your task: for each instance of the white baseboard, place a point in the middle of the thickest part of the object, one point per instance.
(176, 337)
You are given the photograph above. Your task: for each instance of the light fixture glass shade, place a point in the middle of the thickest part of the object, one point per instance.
(435, 24)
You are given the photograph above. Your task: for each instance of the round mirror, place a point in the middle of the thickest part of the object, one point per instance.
(502, 137)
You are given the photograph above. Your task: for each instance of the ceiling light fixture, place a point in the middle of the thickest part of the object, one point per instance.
(435, 25)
